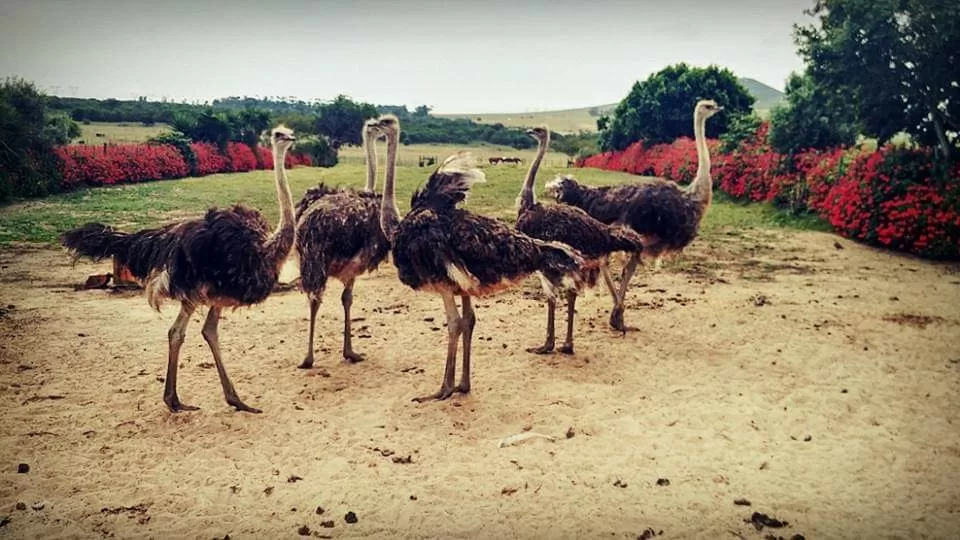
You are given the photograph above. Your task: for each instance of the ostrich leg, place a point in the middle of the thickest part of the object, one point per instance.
(347, 299)
(175, 338)
(548, 345)
(210, 334)
(469, 321)
(567, 347)
(453, 333)
(308, 360)
(616, 316)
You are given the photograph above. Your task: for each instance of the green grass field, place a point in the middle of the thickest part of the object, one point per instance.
(135, 206)
(115, 133)
(408, 155)
(565, 121)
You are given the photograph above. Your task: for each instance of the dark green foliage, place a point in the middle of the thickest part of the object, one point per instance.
(28, 134)
(342, 120)
(897, 61)
(813, 117)
(182, 144)
(320, 150)
(206, 126)
(579, 145)
(660, 109)
(740, 129)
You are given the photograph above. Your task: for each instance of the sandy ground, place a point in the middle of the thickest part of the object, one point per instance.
(820, 384)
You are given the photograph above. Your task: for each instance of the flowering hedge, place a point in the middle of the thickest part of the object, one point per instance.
(893, 197)
(131, 163)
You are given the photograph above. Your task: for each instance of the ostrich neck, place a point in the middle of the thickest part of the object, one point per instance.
(702, 186)
(527, 198)
(279, 243)
(370, 146)
(389, 214)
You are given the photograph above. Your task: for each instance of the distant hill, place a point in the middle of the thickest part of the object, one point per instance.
(766, 96)
(585, 119)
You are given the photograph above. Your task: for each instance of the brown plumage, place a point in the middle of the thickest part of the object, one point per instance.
(339, 236)
(574, 227)
(228, 258)
(665, 215)
(449, 251)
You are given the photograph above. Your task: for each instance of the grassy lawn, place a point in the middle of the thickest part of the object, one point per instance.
(118, 133)
(136, 206)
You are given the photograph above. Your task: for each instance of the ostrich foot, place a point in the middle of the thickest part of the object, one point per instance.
(566, 348)
(173, 403)
(307, 362)
(463, 388)
(616, 319)
(546, 348)
(444, 393)
(235, 402)
(352, 358)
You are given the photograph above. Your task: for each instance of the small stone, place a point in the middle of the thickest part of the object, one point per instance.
(570, 433)
(808, 438)
(741, 502)
(350, 517)
(320, 510)
(303, 531)
(21, 506)
(663, 482)
(23, 468)
(327, 524)
(38, 506)
(413, 497)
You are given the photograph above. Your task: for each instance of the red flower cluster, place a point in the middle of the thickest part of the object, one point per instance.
(107, 165)
(115, 164)
(891, 198)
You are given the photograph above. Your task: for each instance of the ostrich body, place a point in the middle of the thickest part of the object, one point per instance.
(339, 236)
(228, 258)
(574, 227)
(666, 216)
(451, 252)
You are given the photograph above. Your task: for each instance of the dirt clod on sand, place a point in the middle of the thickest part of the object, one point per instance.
(759, 521)
(663, 481)
(350, 517)
(741, 502)
(23, 468)
(303, 530)
(648, 533)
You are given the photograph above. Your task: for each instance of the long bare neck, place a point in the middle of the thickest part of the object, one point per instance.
(527, 198)
(369, 144)
(389, 214)
(279, 243)
(702, 186)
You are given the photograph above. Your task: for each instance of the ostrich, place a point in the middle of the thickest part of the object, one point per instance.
(571, 226)
(339, 236)
(228, 258)
(665, 215)
(445, 250)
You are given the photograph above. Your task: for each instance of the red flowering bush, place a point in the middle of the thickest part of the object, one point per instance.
(241, 157)
(98, 165)
(892, 198)
(209, 159)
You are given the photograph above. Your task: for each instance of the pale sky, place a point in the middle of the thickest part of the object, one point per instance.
(478, 57)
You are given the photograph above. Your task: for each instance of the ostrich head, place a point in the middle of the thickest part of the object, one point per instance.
(706, 108)
(282, 137)
(562, 188)
(539, 133)
(387, 125)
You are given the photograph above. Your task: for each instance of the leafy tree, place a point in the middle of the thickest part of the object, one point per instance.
(182, 143)
(660, 109)
(320, 150)
(575, 145)
(898, 61)
(740, 129)
(247, 125)
(205, 126)
(342, 120)
(28, 134)
(422, 111)
(812, 117)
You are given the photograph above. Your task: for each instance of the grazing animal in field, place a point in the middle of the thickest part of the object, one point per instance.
(445, 250)
(512, 159)
(226, 259)
(494, 160)
(339, 236)
(664, 214)
(573, 227)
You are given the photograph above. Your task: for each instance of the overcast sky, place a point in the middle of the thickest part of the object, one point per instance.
(480, 56)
